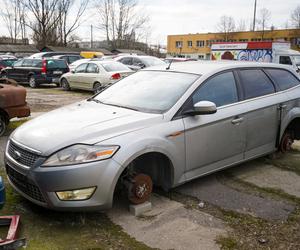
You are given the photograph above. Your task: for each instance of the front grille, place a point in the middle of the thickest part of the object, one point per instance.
(22, 183)
(21, 155)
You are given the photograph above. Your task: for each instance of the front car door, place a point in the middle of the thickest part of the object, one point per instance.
(14, 72)
(216, 140)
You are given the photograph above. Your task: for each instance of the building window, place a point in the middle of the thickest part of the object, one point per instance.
(243, 40)
(190, 44)
(200, 43)
(201, 57)
(178, 44)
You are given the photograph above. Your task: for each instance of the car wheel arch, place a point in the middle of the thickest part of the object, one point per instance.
(5, 115)
(162, 173)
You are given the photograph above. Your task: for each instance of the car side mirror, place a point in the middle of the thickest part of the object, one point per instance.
(73, 71)
(202, 108)
(141, 65)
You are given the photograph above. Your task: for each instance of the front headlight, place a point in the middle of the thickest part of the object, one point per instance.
(80, 153)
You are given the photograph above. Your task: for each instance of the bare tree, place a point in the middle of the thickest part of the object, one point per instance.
(295, 17)
(225, 26)
(121, 21)
(42, 16)
(66, 27)
(13, 16)
(242, 25)
(263, 20)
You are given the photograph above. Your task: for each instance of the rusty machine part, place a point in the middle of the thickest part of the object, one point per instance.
(286, 142)
(140, 188)
(13, 100)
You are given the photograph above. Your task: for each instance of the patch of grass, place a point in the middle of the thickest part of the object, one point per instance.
(14, 124)
(227, 243)
(46, 229)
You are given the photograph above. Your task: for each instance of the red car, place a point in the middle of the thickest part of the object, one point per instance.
(12, 102)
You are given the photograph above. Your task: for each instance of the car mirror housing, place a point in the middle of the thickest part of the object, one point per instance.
(202, 108)
(73, 71)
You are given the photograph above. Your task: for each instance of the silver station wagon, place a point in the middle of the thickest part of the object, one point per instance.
(161, 126)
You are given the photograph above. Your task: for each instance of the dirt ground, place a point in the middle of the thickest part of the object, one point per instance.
(252, 206)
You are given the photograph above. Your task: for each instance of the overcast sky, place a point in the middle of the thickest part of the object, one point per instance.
(197, 16)
(194, 16)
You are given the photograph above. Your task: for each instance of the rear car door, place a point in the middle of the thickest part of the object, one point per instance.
(77, 77)
(14, 72)
(216, 140)
(90, 77)
(263, 111)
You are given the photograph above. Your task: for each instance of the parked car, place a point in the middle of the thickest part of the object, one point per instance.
(12, 102)
(161, 126)
(36, 71)
(139, 62)
(41, 55)
(68, 58)
(94, 75)
(6, 62)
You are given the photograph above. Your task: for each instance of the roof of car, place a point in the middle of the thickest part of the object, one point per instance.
(205, 67)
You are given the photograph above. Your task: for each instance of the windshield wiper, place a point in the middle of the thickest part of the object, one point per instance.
(119, 106)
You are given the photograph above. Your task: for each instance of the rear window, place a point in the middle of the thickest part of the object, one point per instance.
(255, 83)
(283, 79)
(56, 64)
(109, 67)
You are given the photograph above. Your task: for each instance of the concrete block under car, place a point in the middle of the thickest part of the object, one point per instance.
(138, 210)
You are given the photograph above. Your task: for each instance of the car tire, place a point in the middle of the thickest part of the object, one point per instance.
(65, 84)
(2, 125)
(32, 82)
(98, 87)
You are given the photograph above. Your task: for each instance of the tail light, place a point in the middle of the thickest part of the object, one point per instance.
(116, 76)
(44, 67)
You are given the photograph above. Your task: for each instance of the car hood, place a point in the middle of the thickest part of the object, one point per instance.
(84, 122)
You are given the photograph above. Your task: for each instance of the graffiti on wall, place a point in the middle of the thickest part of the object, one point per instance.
(257, 55)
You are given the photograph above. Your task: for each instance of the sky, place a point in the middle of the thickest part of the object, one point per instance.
(169, 17)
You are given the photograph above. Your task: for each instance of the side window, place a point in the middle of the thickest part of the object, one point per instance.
(27, 63)
(73, 59)
(81, 68)
(255, 83)
(285, 60)
(126, 60)
(18, 63)
(137, 61)
(283, 78)
(220, 89)
(92, 68)
(37, 63)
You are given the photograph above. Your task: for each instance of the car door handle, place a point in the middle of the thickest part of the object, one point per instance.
(237, 120)
(282, 106)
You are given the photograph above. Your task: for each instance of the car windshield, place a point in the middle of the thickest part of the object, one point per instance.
(114, 66)
(297, 60)
(152, 61)
(148, 91)
(9, 62)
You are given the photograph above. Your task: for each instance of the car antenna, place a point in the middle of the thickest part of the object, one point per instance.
(167, 68)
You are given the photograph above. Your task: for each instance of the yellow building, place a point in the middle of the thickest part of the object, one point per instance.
(198, 45)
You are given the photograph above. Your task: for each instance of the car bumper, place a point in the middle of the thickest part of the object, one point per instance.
(47, 79)
(40, 184)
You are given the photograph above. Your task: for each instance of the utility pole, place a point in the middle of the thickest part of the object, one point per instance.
(91, 36)
(254, 16)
